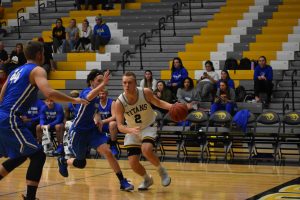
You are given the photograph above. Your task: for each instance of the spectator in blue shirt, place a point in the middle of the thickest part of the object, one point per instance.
(101, 34)
(52, 117)
(226, 77)
(263, 76)
(32, 117)
(178, 74)
(70, 111)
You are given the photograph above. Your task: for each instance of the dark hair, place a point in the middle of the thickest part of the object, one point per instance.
(87, 22)
(32, 48)
(208, 62)
(146, 84)
(264, 57)
(130, 74)
(191, 83)
(59, 20)
(161, 81)
(180, 61)
(92, 75)
(228, 76)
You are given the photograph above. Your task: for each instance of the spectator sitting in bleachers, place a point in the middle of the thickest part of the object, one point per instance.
(179, 73)
(71, 108)
(225, 99)
(263, 76)
(101, 35)
(86, 4)
(3, 54)
(226, 77)
(148, 81)
(18, 52)
(59, 37)
(84, 36)
(49, 63)
(52, 117)
(11, 65)
(187, 93)
(163, 93)
(72, 35)
(32, 117)
(206, 83)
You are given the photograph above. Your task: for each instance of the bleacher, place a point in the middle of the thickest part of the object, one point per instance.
(219, 30)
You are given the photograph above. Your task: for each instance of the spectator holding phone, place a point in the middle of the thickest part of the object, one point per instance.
(206, 83)
(225, 99)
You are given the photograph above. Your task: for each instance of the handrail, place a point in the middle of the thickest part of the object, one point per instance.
(202, 4)
(285, 107)
(18, 20)
(125, 59)
(39, 10)
(293, 88)
(123, 4)
(190, 9)
(175, 11)
(161, 25)
(142, 42)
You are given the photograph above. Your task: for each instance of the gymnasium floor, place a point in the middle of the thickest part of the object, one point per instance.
(189, 181)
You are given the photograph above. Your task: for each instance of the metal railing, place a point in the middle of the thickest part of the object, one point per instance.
(125, 59)
(39, 10)
(18, 20)
(161, 26)
(285, 107)
(294, 83)
(142, 42)
(175, 12)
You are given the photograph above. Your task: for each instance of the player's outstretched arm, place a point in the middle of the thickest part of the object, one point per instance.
(155, 101)
(119, 110)
(95, 92)
(38, 77)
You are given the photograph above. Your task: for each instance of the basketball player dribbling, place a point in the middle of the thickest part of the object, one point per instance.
(134, 106)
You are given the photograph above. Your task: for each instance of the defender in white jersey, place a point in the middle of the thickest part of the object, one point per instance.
(134, 105)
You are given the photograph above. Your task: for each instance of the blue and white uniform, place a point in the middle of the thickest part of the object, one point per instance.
(84, 133)
(105, 112)
(15, 139)
(52, 116)
(33, 113)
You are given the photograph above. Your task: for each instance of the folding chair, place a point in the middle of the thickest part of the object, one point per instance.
(49, 142)
(221, 127)
(265, 135)
(291, 136)
(196, 136)
(169, 136)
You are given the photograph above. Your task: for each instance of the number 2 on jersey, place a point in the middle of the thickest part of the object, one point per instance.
(138, 118)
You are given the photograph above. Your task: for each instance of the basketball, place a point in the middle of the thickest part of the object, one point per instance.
(178, 112)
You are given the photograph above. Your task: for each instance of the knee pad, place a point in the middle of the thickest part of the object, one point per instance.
(35, 169)
(11, 164)
(79, 163)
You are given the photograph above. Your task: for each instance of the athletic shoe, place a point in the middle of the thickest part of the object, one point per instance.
(63, 166)
(146, 183)
(114, 149)
(165, 178)
(25, 198)
(59, 150)
(125, 185)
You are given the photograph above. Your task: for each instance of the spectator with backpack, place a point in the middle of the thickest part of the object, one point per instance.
(226, 77)
(263, 77)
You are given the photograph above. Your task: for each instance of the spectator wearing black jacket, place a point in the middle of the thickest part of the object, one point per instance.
(59, 36)
(18, 52)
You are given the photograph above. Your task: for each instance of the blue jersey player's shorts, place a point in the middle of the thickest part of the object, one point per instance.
(15, 139)
(81, 141)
